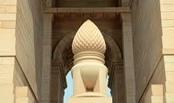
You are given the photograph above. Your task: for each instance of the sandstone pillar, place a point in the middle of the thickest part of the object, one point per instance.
(89, 72)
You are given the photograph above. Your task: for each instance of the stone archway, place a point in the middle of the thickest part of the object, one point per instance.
(113, 58)
(113, 53)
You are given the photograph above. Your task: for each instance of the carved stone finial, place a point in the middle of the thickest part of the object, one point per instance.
(88, 38)
(89, 72)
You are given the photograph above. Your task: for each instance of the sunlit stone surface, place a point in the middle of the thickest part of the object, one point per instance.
(89, 72)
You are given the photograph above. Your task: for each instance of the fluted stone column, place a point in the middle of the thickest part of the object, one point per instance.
(47, 52)
(128, 57)
(117, 83)
(58, 82)
(89, 72)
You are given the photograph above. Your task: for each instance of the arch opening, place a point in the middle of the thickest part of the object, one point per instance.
(63, 53)
(69, 90)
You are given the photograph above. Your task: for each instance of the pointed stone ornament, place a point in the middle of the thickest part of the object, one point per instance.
(88, 38)
(89, 72)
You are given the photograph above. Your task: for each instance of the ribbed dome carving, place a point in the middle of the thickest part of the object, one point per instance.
(88, 38)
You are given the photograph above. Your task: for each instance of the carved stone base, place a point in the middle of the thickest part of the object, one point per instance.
(90, 100)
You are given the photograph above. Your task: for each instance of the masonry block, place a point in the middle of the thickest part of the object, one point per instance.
(170, 77)
(11, 9)
(167, 23)
(7, 42)
(8, 2)
(6, 73)
(24, 95)
(6, 89)
(7, 99)
(8, 24)
(168, 47)
(156, 99)
(6, 16)
(157, 90)
(169, 87)
(169, 97)
(169, 67)
(154, 94)
(23, 100)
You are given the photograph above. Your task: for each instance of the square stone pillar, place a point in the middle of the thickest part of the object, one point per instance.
(128, 57)
(47, 41)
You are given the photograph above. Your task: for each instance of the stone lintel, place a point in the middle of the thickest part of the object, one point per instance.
(88, 10)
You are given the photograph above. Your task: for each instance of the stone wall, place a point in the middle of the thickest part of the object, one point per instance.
(20, 45)
(158, 79)
(167, 18)
(6, 79)
(7, 27)
(29, 41)
(12, 82)
(147, 42)
(7, 49)
(153, 29)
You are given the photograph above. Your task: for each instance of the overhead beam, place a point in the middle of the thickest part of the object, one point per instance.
(88, 10)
